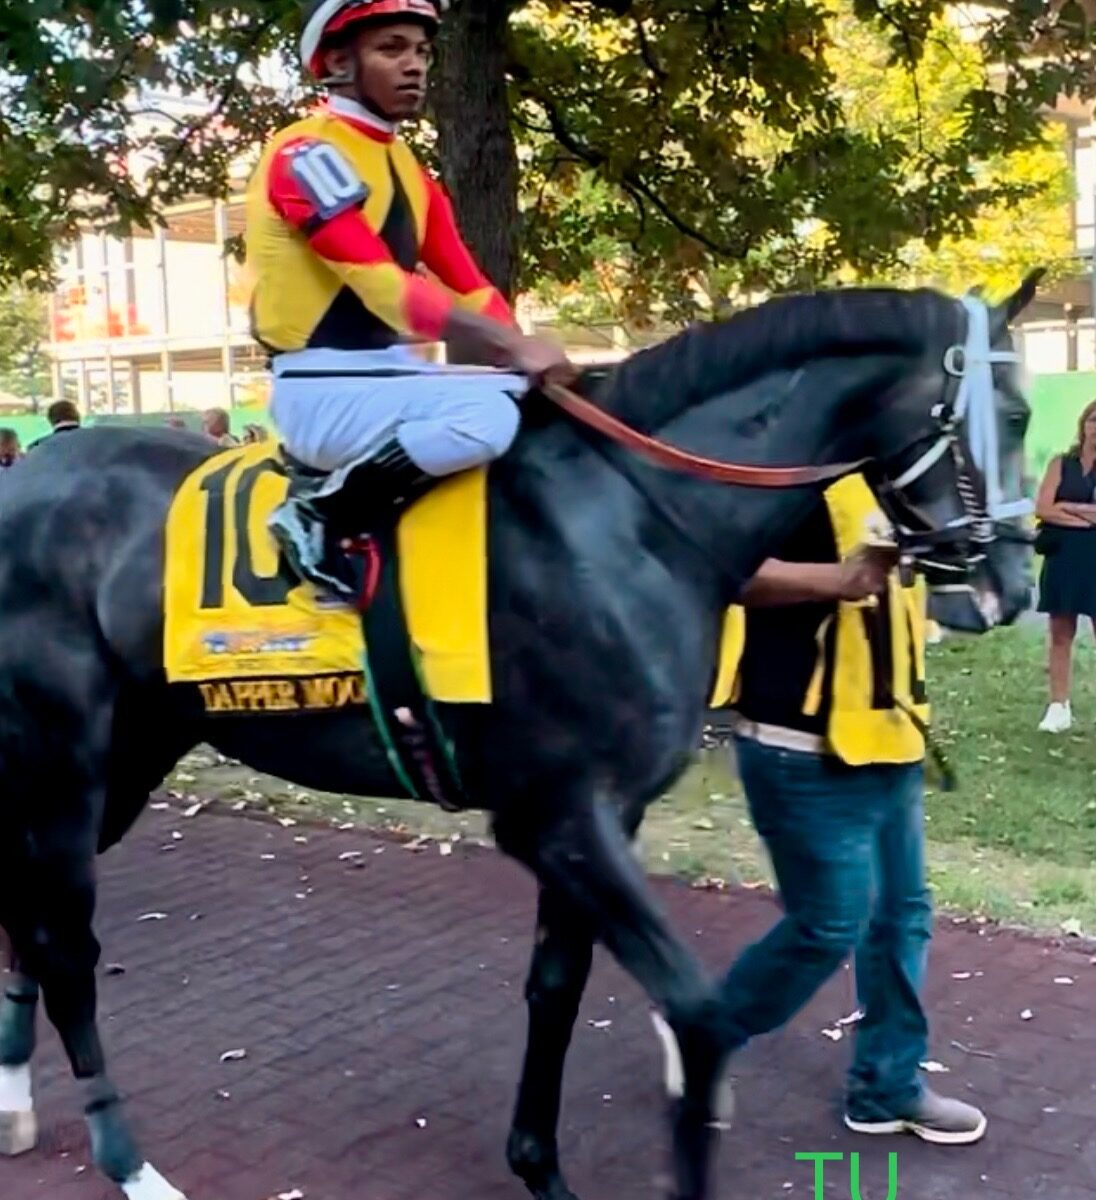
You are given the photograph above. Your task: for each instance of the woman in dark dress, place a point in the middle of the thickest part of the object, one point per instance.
(1067, 586)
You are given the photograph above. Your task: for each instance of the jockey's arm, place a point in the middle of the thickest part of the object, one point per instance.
(446, 256)
(339, 232)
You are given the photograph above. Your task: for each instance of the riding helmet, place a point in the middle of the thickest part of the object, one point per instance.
(325, 18)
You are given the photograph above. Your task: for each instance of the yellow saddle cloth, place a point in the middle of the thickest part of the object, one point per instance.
(242, 627)
(238, 623)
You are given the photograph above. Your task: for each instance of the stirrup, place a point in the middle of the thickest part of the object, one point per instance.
(304, 541)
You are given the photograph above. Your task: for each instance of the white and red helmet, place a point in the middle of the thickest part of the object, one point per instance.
(328, 17)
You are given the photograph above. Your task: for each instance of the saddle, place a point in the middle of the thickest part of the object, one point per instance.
(366, 565)
(248, 636)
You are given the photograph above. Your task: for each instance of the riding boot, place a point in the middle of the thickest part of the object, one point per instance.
(374, 493)
(312, 529)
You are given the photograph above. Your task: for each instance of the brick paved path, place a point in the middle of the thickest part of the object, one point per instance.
(383, 992)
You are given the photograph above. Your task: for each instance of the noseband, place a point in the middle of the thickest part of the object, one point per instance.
(966, 432)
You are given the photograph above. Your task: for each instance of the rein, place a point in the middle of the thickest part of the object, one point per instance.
(665, 455)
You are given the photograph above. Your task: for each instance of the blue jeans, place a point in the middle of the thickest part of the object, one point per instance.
(847, 847)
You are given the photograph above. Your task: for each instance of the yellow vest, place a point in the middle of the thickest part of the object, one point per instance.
(876, 662)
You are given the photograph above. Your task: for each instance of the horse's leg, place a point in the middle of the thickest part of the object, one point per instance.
(18, 1009)
(557, 979)
(580, 850)
(62, 957)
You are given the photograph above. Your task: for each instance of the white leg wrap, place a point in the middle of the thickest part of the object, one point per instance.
(149, 1184)
(674, 1069)
(18, 1125)
(15, 1094)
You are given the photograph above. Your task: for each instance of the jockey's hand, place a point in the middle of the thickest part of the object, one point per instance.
(865, 572)
(544, 361)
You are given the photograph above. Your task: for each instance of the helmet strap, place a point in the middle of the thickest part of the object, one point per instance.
(350, 85)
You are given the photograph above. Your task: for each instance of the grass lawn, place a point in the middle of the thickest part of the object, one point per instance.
(1017, 841)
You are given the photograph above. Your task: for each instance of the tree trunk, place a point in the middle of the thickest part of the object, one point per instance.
(475, 144)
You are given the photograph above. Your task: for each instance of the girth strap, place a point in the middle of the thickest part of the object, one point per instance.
(418, 749)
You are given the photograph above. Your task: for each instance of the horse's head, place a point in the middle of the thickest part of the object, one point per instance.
(955, 494)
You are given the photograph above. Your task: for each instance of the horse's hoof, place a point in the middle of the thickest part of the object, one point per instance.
(537, 1166)
(18, 1133)
(149, 1184)
(555, 1190)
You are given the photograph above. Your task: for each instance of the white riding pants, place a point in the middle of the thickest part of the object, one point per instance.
(331, 412)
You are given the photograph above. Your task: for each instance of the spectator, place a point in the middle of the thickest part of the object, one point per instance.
(10, 452)
(63, 416)
(1067, 584)
(254, 434)
(215, 425)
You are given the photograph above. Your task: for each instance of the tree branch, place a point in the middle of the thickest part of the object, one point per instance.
(223, 97)
(911, 68)
(630, 180)
(647, 53)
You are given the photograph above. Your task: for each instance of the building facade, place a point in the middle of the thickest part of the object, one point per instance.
(157, 322)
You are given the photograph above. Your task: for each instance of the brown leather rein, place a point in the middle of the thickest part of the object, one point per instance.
(665, 455)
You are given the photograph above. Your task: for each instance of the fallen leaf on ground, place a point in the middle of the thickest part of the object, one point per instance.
(972, 1051)
(192, 810)
(233, 1055)
(1026, 1015)
(835, 1035)
(851, 1019)
(934, 1068)
(1063, 979)
(153, 916)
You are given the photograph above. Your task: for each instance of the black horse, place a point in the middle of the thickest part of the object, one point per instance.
(609, 578)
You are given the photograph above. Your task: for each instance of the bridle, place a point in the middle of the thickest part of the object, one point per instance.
(966, 433)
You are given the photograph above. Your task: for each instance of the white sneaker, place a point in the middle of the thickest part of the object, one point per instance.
(1058, 718)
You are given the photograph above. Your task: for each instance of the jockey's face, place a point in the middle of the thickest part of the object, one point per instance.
(393, 62)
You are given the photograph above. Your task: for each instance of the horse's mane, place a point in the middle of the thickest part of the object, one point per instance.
(655, 385)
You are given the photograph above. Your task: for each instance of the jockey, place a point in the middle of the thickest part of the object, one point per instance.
(341, 221)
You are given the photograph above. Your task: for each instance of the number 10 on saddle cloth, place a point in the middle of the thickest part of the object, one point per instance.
(233, 611)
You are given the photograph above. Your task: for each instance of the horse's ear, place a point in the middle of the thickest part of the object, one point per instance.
(1024, 294)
